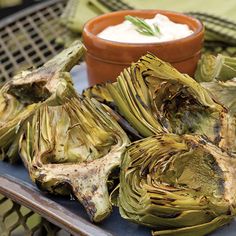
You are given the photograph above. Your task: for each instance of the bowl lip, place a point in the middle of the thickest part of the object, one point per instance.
(94, 37)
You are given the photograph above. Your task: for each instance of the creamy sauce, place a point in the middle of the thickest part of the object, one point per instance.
(126, 31)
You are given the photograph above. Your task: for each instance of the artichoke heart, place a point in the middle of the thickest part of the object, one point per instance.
(74, 147)
(178, 185)
(27, 91)
(155, 98)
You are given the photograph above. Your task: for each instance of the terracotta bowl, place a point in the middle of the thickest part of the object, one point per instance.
(106, 59)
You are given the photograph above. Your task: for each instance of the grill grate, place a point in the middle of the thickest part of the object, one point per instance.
(19, 220)
(29, 39)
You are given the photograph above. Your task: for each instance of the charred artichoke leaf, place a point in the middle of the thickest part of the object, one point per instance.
(220, 68)
(75, 144)
(132, 133)
(154, 98)
(10, 133)
(180, 185)
(100, 93)
(133, 99)
(21, 96)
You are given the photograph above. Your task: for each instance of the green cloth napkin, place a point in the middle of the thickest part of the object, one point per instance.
(217, 7)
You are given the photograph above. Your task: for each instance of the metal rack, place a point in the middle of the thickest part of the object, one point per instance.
(28, 38)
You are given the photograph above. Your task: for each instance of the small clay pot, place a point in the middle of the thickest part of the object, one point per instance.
(106, 59)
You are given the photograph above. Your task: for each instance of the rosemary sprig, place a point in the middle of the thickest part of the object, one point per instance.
(142, 27)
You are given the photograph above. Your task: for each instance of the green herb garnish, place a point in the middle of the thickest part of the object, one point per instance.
(142, 27)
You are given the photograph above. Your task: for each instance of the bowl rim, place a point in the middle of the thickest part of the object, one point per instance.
(88, 33)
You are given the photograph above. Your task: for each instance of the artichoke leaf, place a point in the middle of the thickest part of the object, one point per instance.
(179, 184)
(124, 109)
(199, 230)
(73, 147)
(132, 99)
(101, 94)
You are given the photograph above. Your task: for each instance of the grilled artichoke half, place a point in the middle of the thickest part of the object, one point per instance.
(154, 98)
(76, 145)
(178, 185)
(221, 68)
(21, 96)
(206, 68)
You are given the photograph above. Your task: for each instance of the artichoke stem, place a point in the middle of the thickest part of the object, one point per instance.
(88, 182)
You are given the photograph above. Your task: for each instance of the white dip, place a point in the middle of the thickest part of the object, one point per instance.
(126, 32)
